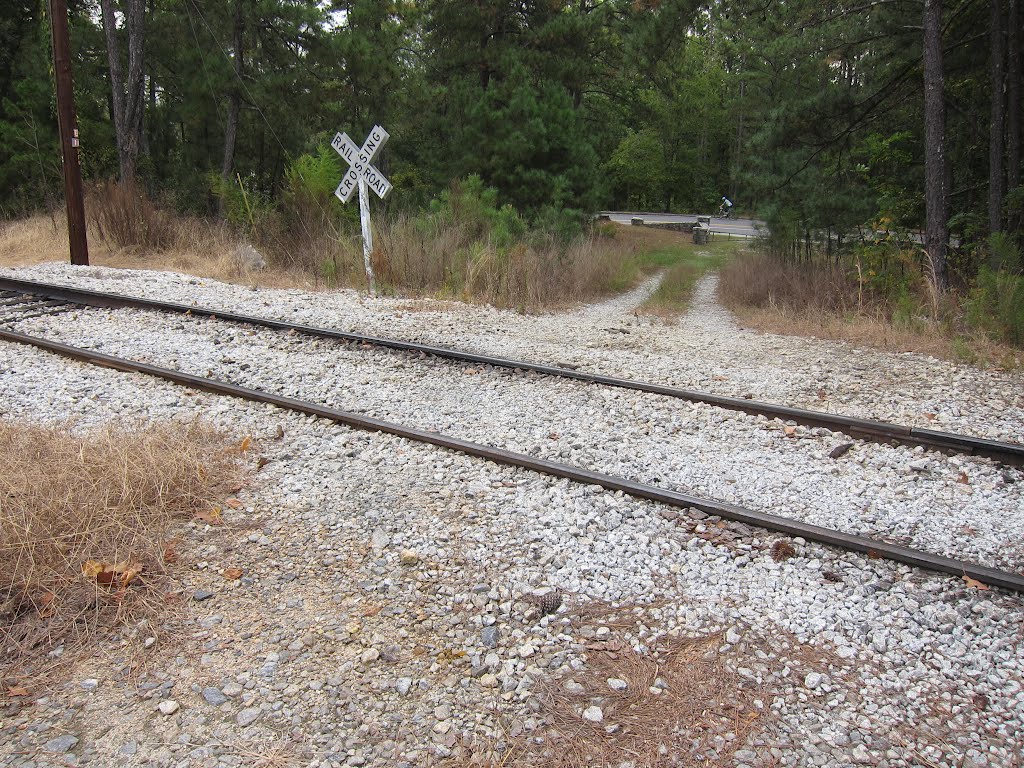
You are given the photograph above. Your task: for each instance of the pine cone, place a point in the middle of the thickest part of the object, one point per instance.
(550, 602)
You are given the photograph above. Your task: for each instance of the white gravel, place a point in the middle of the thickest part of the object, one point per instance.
(862, 661)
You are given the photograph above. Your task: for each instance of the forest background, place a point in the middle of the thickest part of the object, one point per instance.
(876, 137)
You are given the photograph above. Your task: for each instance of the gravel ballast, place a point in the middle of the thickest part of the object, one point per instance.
(391, 612)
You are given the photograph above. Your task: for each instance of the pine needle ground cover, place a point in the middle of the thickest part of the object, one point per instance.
(87, 527)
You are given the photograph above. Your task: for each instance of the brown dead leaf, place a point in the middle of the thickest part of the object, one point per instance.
(236, 487)
(122, 574)
(553, 436)
(170, 553)
(233, 573)
(790, 431)
(974, 583)
(245, 444)
(46, 609)
(930, 416)
(233, 503)
(964, 479)
(129, 573)
(210, 516)
(372, 610)
(17, 690)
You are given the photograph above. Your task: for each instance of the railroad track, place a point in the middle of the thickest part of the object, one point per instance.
(19, 304)
(35, 299)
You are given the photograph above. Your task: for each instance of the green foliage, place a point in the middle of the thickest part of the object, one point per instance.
(314, 176)
(1003, 253)
(637, 167)
(244, 208)
(996, 305)
(474, 208)
(886, 273)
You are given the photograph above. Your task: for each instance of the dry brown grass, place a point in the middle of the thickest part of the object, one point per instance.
(450, 261)
(198, 247)
(73, 504)
(823, 302)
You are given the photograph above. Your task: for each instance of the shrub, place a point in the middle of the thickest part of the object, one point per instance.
(123, 214)
(996, 306)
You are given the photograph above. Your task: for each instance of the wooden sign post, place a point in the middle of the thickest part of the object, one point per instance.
(362, 174)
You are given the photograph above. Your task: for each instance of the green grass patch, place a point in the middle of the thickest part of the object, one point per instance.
(684, 265)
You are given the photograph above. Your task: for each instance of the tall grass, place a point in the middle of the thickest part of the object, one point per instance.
(123, 214)
(884, 300)
(450, 258)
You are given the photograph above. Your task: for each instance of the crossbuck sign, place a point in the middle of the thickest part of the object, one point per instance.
(362, 175)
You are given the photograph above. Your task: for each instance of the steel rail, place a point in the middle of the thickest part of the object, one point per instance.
(863, 544)
(863, 429)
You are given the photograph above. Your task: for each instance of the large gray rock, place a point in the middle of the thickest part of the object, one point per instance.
(249, 258)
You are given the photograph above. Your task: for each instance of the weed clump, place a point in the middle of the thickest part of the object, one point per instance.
(86, 522)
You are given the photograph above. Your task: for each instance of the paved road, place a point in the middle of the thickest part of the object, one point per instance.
(740, 227)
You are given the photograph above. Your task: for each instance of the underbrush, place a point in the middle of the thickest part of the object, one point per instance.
(465, 246)
(86, 527)
(881, 297)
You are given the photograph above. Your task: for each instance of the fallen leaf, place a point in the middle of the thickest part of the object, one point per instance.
(246, 442)
(235, 488)
(822, 395)
(930, 416)
(471, 371)
(974, 583)
(963, 479)
(46, 609)
(211, 516)
(233, 573)
(261, 462)
(128, 574)
(553, 435)
(790, 431)
(234, 503)
(17, 690)
(372, 610)
(170, 554)
(104, 573)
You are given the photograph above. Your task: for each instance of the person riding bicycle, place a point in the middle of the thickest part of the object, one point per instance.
(726, 208)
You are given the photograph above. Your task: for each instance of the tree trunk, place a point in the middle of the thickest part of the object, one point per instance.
(234, 95)
(129, 95)
(1013, 96)
(936, 202)
(995, 134)
(234, 99)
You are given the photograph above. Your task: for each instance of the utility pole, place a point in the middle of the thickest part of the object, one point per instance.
(68, 133)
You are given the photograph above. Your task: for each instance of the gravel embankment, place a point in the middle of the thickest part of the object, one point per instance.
(333, 651)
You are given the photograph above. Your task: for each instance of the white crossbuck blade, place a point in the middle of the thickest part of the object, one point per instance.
(360, 161)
